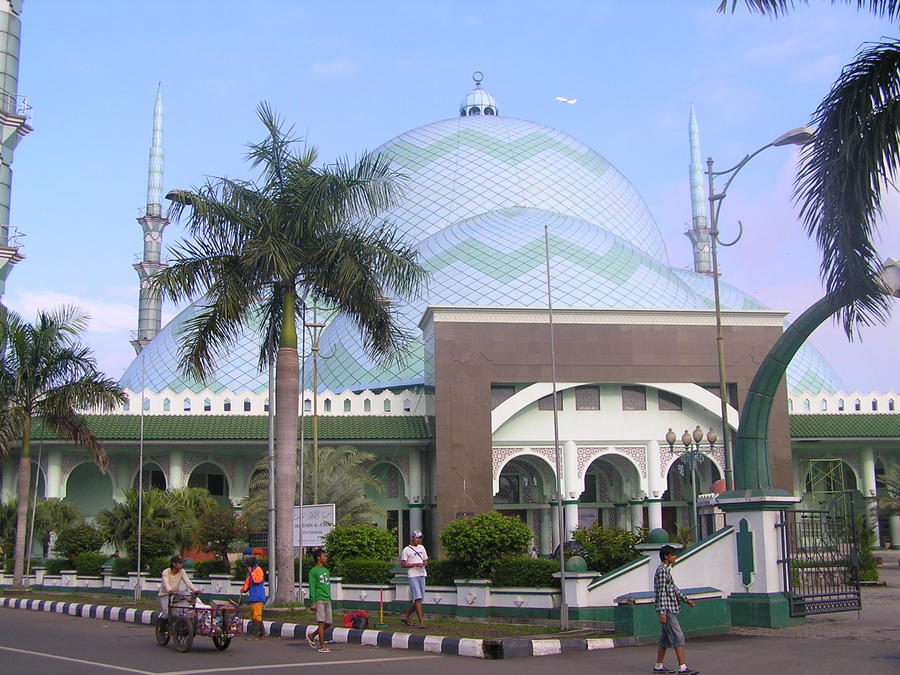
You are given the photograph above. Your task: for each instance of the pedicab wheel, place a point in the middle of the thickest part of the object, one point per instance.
(183, 632)
(221, 642)
(162, 632)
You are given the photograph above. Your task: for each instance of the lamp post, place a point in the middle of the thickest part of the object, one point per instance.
(798, 136)
(691, 456)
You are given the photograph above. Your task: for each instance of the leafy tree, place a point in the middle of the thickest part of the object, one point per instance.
(344, 481)
(45, 373)
(606, 548)
(219, 530)
(359, 541)
(77, 539)
(53, 515)
(260, 251)
(8, 512)
(479, 542)
(157, 541)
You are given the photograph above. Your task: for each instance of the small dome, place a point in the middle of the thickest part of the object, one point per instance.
(478, 101)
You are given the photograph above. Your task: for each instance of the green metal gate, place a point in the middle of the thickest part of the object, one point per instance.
(820, 561)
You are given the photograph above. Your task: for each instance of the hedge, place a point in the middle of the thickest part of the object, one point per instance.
(90, 564)
(56, 565)
(523, 571)
(443, 572)
(365, 571)
(203, 568)
(158, 565)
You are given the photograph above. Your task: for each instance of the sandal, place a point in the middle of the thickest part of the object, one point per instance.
(405, 622)
(324, 650)
(421, 627)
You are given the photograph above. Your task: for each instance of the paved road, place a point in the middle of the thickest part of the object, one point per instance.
(39, 643)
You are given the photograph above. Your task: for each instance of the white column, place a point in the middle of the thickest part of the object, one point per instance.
(415, 517)
(894, 528)
(554, 525)
(654, 513)
(621, 512)
(54, 474)
(415, 491)
(176, 470)
(572, 485)
(570, 513)
(656, 484)
(546, 532)
(869, 490)
(637, 514)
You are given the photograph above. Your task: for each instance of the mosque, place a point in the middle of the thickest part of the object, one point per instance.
(464, 423)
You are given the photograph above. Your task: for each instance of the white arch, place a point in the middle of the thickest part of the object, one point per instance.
(542, 467)
(688, 391)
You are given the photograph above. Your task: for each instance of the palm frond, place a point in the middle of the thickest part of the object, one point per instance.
(842, 175)
(776, 8)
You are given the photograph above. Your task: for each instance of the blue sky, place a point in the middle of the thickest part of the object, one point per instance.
(352, 75)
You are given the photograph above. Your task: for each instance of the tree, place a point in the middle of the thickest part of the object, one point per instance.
(52, 516)
(479, 542)
(218, 531)
(260, 250)
(45, 373)
(77, 539)
(343, 482)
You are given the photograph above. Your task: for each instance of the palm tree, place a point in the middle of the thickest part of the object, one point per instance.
(344, 482)
(46, 373)
(52, 515)
(838, 189)
(259, 251)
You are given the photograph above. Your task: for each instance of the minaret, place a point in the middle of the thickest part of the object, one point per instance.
(15, 123)
(699, 234)
(152, 223)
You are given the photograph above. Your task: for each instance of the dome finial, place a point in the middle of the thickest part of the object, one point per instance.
(478, 102)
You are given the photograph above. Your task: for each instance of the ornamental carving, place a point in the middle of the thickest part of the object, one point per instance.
(392, 483)
(586, 455)
(69, 462)
(163, 462)
(191, 462)
(500, 456)
(402, 464)
(637, 454)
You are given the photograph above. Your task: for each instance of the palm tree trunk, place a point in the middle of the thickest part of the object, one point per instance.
(22, 507)
(287, 385)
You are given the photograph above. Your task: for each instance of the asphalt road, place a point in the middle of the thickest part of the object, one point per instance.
(39, 642)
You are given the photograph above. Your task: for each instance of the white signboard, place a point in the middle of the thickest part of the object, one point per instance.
(318, 520)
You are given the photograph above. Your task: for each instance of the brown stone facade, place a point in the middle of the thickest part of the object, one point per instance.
(475, 347)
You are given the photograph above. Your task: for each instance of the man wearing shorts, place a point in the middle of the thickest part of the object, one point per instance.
(320, 597)
(668, 599)
(414, 558)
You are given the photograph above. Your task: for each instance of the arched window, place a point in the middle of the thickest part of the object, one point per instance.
(841, 405)
(227, 405)
(891, 404)
(857, 405)
(146, 404)
(327, 405)
(126, 407)
(187, 405)
(346, 409)
(266, 406)
(387, 405)
(167, 405)
(367, 407)
(207, 405)
(246, 405)
(806, 405)
(823, 406)
(790, 405)
(407, 405)
(307, 405)
(874, 405)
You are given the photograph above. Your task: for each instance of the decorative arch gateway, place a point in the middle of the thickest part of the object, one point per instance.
(393, 479)
(668, 456)
(500, 457)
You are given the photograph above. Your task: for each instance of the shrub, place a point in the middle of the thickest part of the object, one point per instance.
(527, 572)
(865, 540)
(56, 565)
(480, 542)
(606, 548)
(308, 564)
(157, 565)
(363, 571)
(90, 564)
(122, 566)
(82, 538)
(156, 541)
(203, 568)
(443, 572)
(347, 542)
(218, 531)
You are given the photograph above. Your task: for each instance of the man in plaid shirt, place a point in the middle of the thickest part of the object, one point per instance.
(668, 602)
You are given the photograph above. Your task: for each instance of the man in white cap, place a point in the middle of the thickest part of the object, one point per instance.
(414, 558)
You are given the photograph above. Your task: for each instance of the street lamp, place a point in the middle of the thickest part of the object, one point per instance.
(798, 136)
(691, 456)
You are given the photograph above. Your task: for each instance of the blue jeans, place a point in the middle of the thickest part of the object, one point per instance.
(671, 634)
(417, 587)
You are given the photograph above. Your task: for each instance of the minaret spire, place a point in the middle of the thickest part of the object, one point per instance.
(699, 234)
(152, 223)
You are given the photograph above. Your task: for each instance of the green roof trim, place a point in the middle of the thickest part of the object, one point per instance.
(250, 427)
(868, 425)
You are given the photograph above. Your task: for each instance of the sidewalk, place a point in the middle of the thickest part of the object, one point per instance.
(879, 619)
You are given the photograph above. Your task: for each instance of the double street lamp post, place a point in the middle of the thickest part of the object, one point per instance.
(691, 456)
(798, 136)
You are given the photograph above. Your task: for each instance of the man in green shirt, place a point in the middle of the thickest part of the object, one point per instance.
(320, 599)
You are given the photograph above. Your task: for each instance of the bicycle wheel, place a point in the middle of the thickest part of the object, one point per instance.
(162, 632)
(183, 632)
(221, 642)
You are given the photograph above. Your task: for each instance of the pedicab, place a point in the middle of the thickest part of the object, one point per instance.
(221, 621)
